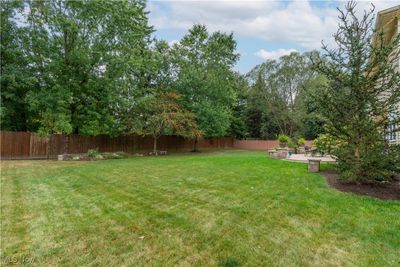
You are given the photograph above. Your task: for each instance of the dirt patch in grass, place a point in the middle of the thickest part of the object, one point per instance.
(381, 191)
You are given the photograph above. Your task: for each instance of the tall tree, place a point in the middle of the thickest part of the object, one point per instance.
(157, 77)
(292, 72)
(364, 89)
(257, 106)
(205, 78)
(273, 104)
(84, 56)
(15, 78)
(309, 122)
(238, 128)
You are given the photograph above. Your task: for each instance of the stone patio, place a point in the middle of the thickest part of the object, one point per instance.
(304, 158)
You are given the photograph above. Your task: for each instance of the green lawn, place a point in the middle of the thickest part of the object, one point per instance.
(228, 208)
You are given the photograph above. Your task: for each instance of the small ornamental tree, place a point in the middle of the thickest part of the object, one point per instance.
(364, 88)
(162, 115)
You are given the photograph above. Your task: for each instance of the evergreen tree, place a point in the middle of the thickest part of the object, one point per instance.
(364, 88)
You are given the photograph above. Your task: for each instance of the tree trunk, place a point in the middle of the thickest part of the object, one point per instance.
(357, 156)
(195, 149)
(66, 52)
(357, 142)
(155, 146)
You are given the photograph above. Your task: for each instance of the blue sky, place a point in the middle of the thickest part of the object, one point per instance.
(263, 29)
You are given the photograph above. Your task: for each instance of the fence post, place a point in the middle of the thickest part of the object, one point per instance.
(66, 144)
(30, 145)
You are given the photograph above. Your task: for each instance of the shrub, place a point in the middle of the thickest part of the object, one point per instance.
(370, 160)
(301, 141)
(377, 163)
(326, 144)
(283, 139)
(293, 145)
(92, 153)
(393, 163)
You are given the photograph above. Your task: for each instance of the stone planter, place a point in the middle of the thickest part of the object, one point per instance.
(282, 153)
(279, 153)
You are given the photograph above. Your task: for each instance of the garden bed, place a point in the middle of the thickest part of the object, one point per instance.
(381, 191)
(93, 156)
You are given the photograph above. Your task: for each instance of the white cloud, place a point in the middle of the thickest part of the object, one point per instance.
(275, 54)
(296, 21)
(172, 42)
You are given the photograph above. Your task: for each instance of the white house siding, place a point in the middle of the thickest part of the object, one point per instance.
(397, 138)
(393, 138)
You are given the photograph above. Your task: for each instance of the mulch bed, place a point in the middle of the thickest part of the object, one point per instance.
(385, 192)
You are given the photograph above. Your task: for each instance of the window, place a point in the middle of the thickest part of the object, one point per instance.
(391, 134)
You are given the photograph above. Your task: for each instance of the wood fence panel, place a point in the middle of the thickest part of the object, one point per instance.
(15, 145)
(260, 144)
(56, 145)
(25, 145)
(39, 147)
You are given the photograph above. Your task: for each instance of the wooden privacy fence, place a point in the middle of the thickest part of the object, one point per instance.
(260, 144)
(26, 145)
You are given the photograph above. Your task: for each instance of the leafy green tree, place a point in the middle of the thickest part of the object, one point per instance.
(156, 78)
(203, 65)
(292, 72)
(263, 101)
(84, 57)
(310, 123)
(15, 78)
(364, 88)
(238, 128)
(273, 104)
(163, 115)
(257, 105)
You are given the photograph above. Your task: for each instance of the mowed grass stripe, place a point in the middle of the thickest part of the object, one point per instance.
(204, 209)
